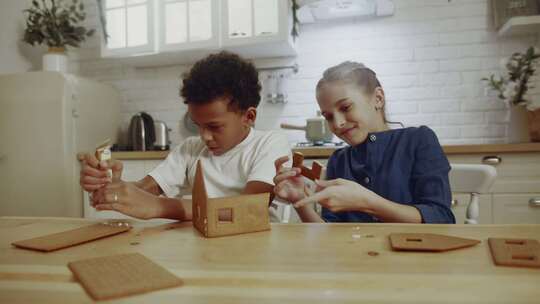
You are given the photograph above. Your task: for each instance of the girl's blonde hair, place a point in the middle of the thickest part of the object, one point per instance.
(351, 72)
(355, 73)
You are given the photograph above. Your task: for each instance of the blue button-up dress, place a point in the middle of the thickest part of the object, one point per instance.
(406, 166)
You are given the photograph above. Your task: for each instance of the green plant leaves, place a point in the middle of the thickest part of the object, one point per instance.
(514, 85)
(55, 23)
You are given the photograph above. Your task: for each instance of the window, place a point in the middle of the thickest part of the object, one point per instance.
(188, 24)
(225, 216)
(152, 27)
(129, 26)
(182, 24)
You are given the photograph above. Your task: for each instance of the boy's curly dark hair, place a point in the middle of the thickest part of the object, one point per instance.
(219, 75)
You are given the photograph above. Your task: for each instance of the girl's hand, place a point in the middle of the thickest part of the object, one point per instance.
(341, 195)
(289, 182)
(128, 199)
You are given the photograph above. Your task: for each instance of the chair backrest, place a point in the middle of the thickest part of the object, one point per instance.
(471, 178)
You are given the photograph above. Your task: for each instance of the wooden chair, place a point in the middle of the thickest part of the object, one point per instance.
(473, 179)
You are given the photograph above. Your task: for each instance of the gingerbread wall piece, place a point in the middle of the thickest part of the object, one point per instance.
(60, 240)
(428, 242)
(313, 173)
(515, 252)
(246, 213)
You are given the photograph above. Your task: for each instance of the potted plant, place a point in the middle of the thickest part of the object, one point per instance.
(513, 89)
(56, 24)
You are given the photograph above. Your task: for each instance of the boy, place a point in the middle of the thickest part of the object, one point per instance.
(222, 92)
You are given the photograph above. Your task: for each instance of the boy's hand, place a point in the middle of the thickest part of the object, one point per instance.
(289, 182)
(341, 195)
(128, 199)
(93, 174)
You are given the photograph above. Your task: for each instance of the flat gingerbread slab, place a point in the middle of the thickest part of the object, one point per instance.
(428, 242)
(70, 238)
(515, 252)
(121, 275)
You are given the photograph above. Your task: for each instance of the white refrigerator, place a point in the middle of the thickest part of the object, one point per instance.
(46, 118)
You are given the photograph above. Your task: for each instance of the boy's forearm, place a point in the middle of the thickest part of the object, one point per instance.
(169, 208)
(148, 184)
(173, 208)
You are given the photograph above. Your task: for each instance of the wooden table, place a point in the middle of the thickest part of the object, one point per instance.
(302, 263)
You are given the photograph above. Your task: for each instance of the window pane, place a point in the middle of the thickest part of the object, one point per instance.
(200, 20)
(116, 28)
(114, 3)
(175, 22)
(239, 18)
(137, 23)
(266, 17)
(131, 2)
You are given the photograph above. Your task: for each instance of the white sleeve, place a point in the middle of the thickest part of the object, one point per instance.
(171, 173)
(274, 147)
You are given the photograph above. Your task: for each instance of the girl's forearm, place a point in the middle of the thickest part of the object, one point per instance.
(388, 211)
(308, 214)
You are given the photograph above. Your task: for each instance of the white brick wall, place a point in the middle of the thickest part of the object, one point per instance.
(430, 57)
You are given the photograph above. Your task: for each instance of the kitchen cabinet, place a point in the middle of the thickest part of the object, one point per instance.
(188, 24)
(189, 30)
(516, 208)
(257, 28)
(516, 188)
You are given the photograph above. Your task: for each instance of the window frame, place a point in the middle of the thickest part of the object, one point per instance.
(127, 51)
(213, 42)
(282, 33)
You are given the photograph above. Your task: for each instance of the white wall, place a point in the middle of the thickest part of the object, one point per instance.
(430, 57)
(15, 55)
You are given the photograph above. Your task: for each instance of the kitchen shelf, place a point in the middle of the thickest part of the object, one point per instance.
(520, 26)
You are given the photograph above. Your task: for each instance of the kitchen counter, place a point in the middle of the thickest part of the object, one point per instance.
(302, 263)
(325, 152)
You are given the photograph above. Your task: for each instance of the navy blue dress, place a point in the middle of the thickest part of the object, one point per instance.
(406, 166)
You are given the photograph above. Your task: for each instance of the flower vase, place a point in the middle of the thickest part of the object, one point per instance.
(518, 127)
(55, 60)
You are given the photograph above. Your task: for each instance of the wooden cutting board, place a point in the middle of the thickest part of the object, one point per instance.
(428, 242)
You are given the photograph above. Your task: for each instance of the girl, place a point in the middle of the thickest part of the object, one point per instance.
(384, 175)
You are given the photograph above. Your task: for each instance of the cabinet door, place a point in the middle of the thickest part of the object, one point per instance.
(516, 208)
(188, 24)
(460, 201)
(240, 18)
(252, 21)
(516, 172)
(133, 170)
(266, 17)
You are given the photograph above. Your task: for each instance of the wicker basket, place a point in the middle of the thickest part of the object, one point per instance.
(534, 125)
(506, 9)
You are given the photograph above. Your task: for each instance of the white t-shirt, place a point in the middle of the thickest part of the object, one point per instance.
(226, 174)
